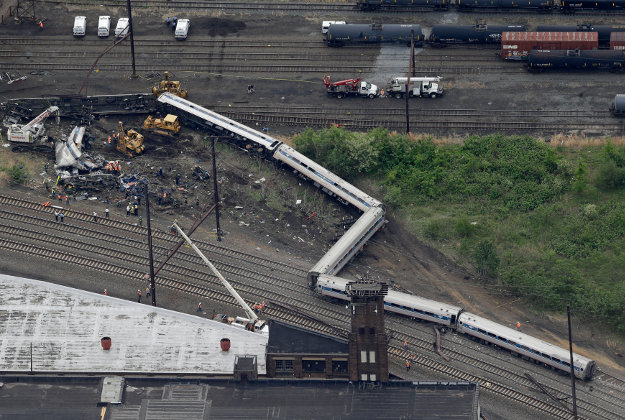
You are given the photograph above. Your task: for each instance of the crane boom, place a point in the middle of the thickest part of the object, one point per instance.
(233, 292)
(32, 131)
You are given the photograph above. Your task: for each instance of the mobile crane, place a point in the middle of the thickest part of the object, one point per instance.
(350, 87)
(34, 130)
(251, 324)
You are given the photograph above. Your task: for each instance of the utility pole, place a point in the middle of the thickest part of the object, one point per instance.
(408, 80)
(568, 314)
(147, 215)
(215, 188)
(132, 40)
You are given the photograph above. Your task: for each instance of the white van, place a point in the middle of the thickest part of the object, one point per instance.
(182, 28)
(122, 27)
(325, 25)
(104, 26)
(80, 25)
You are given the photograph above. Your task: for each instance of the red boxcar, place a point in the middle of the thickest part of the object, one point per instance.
(517, 45)
(617, 41)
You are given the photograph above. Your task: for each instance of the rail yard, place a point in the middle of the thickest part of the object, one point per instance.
(268, 252)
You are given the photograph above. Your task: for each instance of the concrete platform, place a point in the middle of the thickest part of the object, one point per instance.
(65, 325)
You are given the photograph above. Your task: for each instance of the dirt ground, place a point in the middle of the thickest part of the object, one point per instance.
(394, 254)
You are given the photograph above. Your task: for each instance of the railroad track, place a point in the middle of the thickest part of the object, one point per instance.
(424, 124)
(299, 312)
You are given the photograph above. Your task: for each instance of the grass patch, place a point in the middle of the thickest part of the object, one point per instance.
(542, 220)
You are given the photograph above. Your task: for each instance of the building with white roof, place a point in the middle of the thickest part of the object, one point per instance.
(64, 326)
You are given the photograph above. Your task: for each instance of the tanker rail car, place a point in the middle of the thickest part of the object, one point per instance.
(618, 106)
(541, 60)
(348, 33)
(564, 6)
(443, 35)
(469, 324)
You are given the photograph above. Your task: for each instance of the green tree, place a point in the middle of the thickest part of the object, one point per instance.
(17, 174)
(580, 178)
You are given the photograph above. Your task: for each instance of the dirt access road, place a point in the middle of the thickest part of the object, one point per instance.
(393, 255)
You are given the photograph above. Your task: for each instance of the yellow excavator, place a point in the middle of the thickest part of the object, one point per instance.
(167, 126)
(167, 85)
(129, 143)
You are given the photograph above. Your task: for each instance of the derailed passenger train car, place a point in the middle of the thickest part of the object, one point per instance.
(524, 345)
(442, 35)
(540, 60)
(339, 35)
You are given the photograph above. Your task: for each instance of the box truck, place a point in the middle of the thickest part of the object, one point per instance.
(182, 28)
(104, 26)
(80, 25)
(122, 27)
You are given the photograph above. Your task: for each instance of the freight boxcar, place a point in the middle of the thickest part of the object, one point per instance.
(603, 31)
(538, 60)
(617, 41)
(339, 35)
(517, 45)
(618, 106)
(470, 34)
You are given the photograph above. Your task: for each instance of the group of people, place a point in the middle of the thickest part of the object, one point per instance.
(113, 166)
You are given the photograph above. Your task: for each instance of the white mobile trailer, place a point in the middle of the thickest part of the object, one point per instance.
(122, 27)
(325, 25)
(80, 26)
(182, 28)
(104, 26)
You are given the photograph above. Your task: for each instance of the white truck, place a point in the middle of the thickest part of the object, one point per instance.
(122, 27)
(353, 87)
(80, 26)
(325, 25)
(104, 26)
(182, 29)
(419, 87)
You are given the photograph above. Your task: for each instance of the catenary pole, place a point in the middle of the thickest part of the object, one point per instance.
(147, 216)
(132, 40)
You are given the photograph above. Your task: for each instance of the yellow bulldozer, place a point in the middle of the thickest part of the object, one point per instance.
(164, 126)
(167, 85)
(129, 143)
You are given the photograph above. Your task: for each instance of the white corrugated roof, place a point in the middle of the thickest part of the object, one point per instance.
(65, 326)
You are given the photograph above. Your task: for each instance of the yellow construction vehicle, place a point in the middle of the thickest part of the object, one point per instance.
(167, 85)
(129, 143)
(166, 126)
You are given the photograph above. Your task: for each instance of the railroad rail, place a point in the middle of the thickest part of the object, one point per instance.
(302, 310)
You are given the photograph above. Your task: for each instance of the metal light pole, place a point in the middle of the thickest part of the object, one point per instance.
(147, 211)
(132, 40)
(568, 314)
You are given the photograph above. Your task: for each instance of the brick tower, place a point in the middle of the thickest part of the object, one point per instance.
(368, 357)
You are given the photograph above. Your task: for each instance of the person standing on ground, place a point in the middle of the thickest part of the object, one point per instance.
(147, 291)
(106, 212)
(128, 210)
(407, 365)
(67, 200)
(62, 215)
(56, 215)
(106, 293)
(139, 296)
(199, 307)
(95, 217)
